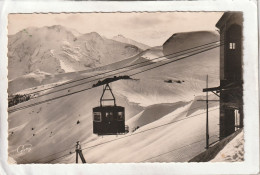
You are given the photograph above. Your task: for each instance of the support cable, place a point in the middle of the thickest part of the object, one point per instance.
(125, 67)
(131, 135)
(83, 143)
(45, 101)
(128, 70)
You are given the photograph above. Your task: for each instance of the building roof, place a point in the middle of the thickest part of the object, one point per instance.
(224, 18)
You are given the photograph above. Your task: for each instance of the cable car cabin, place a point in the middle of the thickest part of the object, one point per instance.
(109, 120)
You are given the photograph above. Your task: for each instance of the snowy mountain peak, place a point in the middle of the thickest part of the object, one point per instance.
(92, 34)
(123, 39)
(185, 40)
(55, 27)
(118, 36)
(55, 49)
(193, 36)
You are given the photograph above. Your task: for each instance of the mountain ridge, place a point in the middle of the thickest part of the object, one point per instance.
(33, 48)
(123, 39)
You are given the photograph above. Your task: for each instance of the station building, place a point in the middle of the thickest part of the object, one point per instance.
(230, 91)
(230, 26)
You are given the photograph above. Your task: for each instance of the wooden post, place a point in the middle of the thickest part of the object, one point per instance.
(207, 110)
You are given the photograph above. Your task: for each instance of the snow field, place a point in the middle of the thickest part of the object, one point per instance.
(134, 147)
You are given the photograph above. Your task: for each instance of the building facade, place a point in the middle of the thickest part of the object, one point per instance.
(230, 27)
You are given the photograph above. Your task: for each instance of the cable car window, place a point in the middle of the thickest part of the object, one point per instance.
(109, 115)
(120, 116)
(97, 116)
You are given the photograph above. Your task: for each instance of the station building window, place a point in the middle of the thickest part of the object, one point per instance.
(232, 46)
(237, 120)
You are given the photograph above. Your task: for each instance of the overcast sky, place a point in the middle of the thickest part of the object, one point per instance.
(152, 29)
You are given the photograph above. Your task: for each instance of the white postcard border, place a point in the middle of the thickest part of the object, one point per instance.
(251, 100)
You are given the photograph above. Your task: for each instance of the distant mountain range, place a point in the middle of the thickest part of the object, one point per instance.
(42, 56)
(56, 49)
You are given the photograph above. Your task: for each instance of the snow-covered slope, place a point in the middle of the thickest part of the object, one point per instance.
(233, 151)
(171, 134)
(149, 101)
(56, 49)
(171, 138)
(123, 39)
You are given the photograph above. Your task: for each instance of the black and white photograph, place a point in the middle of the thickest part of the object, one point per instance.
(125, 87)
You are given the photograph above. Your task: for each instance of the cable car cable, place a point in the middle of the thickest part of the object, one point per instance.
(34, 104)
(173, 61)
(132, 134)
(60, 157)
(175, 149)
(123, 67)
(148, 129)
(74, 86)
(91, 141)
(53, 154)
(150, 63)
(175, 115)
(56, 152)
